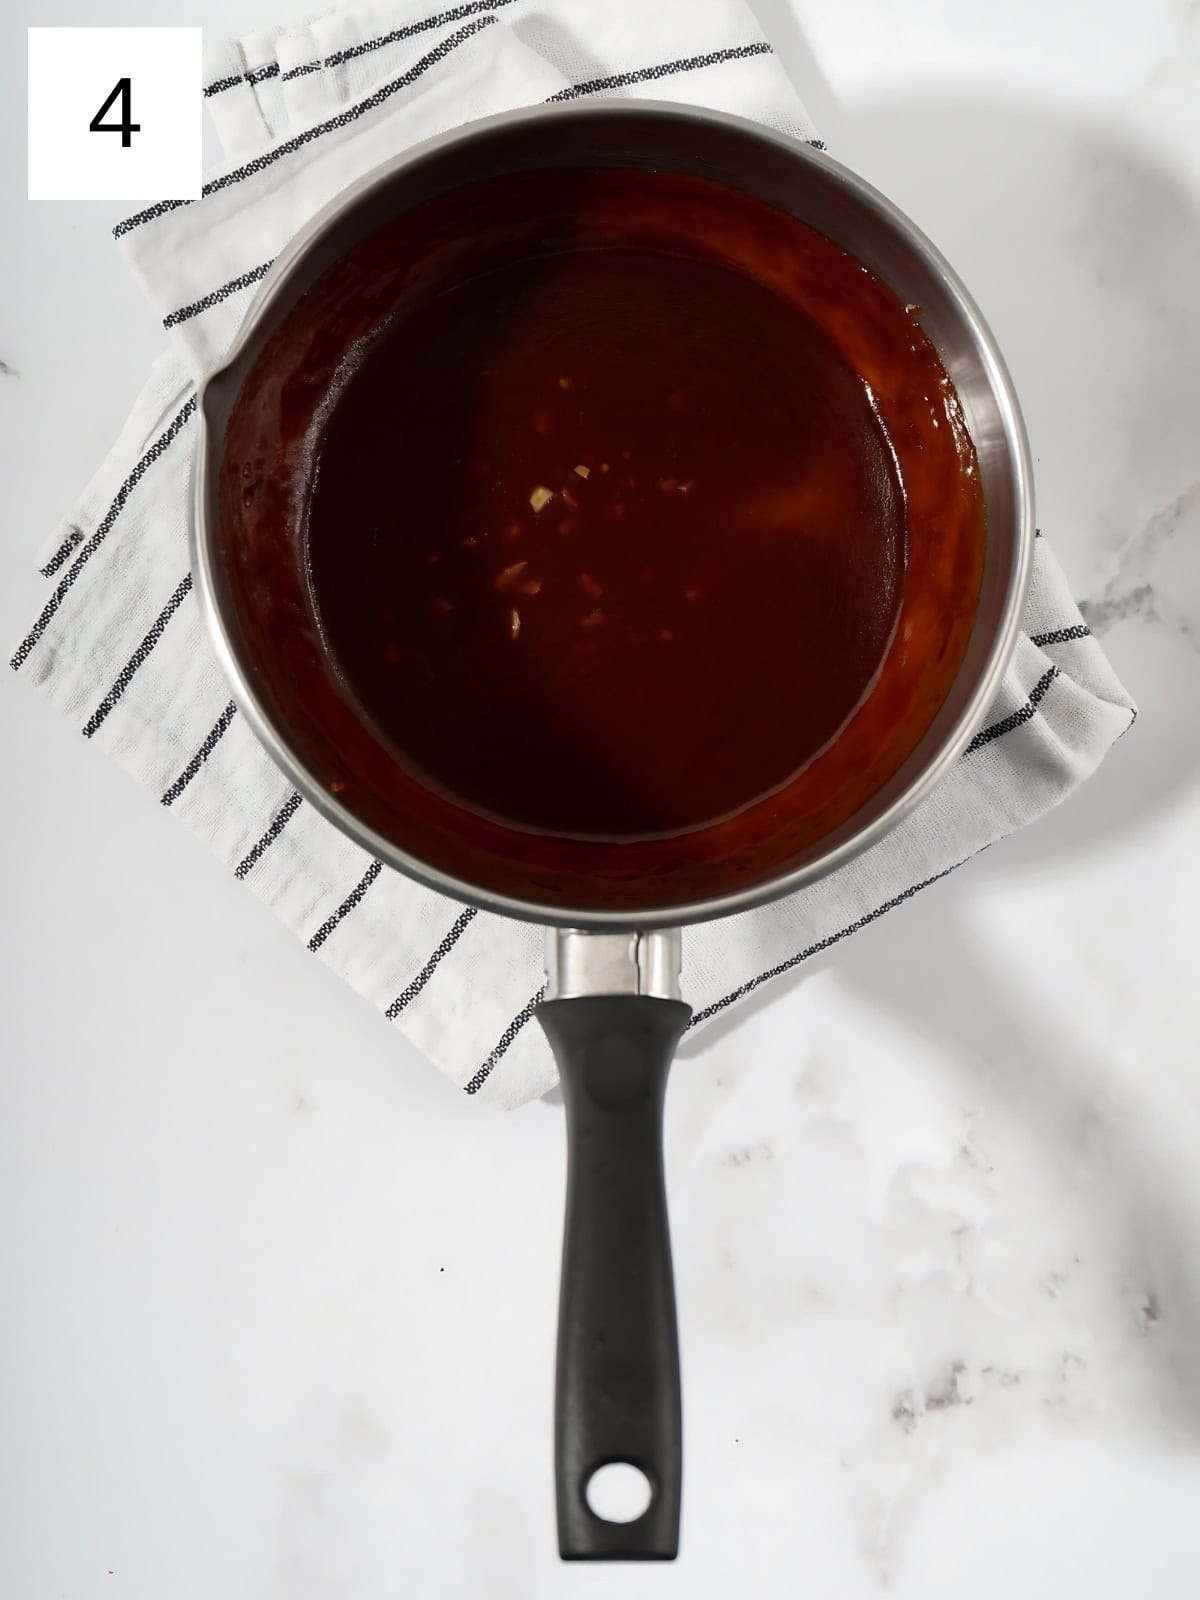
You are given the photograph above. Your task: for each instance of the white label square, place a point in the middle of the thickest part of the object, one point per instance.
(149, 147)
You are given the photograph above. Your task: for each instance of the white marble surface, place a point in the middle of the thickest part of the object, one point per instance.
(279, 1303)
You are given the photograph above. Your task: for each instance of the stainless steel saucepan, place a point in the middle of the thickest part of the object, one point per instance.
(612, 1011)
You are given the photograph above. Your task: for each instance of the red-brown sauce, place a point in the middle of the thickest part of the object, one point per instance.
(664, 676)
(608, 544)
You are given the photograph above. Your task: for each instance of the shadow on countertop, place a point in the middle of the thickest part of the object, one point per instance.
(1082, 252)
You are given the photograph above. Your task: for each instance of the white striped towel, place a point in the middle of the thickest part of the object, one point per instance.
(119, 646)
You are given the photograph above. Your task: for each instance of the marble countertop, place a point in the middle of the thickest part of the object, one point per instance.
(279, 1302)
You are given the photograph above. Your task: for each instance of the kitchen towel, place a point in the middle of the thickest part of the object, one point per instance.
(119, 645)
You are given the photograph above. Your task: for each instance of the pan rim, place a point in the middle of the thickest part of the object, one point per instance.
(823, 860)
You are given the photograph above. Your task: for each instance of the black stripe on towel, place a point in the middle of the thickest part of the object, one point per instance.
(751, 984)
(1024, 714)
(438, 20)
(158, 209)
(290, 806)
(473, 1085)
(258, 75)
(243, 281)
(343, 120)
(346, 907)
(664, 69)
(219, 85)
(1062, 635)
(407, 996)
(125, 677)
(89, 548)
(72, 542)
(212, 739)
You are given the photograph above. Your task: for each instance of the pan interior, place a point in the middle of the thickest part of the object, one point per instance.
(604, 536)
(606, 544)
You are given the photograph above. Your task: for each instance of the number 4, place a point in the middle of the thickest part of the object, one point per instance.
(126, 127)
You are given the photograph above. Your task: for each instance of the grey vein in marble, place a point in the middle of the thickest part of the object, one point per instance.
(1132, 591)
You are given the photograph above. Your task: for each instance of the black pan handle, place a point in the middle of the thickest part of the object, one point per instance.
(618, 1350)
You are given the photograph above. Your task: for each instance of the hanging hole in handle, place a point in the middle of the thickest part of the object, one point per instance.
(618, 1492)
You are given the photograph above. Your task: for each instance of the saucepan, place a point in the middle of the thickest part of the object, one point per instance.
(277, 509)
